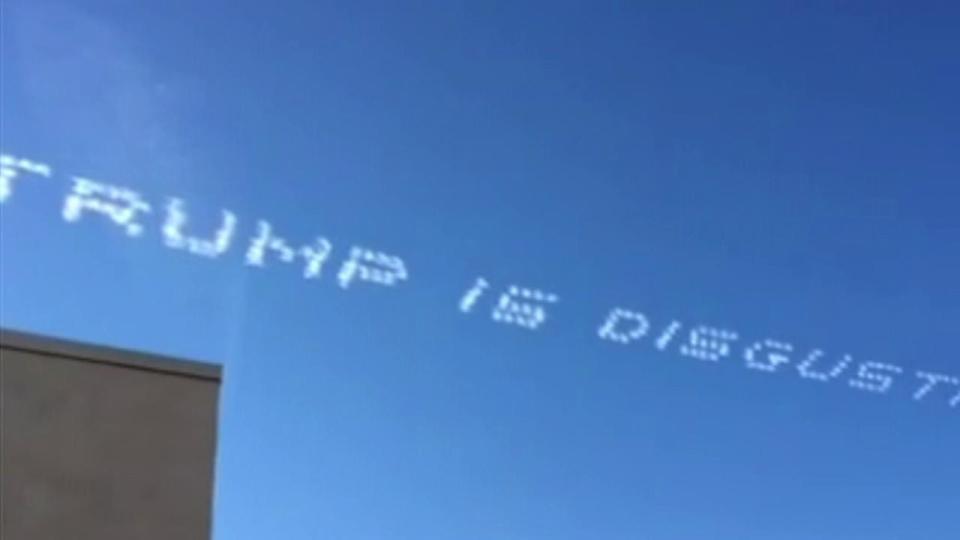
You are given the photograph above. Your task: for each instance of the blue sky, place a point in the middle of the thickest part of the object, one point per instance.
(786, 170)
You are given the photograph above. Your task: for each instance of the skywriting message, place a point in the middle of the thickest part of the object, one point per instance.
(521, 307)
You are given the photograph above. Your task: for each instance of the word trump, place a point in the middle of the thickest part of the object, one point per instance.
(126, 209)
(517, 306)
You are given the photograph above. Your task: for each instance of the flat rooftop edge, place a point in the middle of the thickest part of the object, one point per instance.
(73, 350)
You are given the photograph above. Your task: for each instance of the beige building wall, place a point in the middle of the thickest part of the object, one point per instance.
(101, 444)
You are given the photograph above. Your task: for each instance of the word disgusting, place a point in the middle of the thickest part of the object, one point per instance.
(517, 306)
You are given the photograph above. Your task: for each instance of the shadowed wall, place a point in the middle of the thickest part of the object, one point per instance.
(102, 444)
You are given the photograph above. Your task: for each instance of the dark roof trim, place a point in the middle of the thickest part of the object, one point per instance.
(47, 346)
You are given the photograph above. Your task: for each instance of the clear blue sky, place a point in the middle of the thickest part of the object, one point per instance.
(788, 170)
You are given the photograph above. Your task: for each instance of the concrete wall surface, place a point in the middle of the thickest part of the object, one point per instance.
(101, 444)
